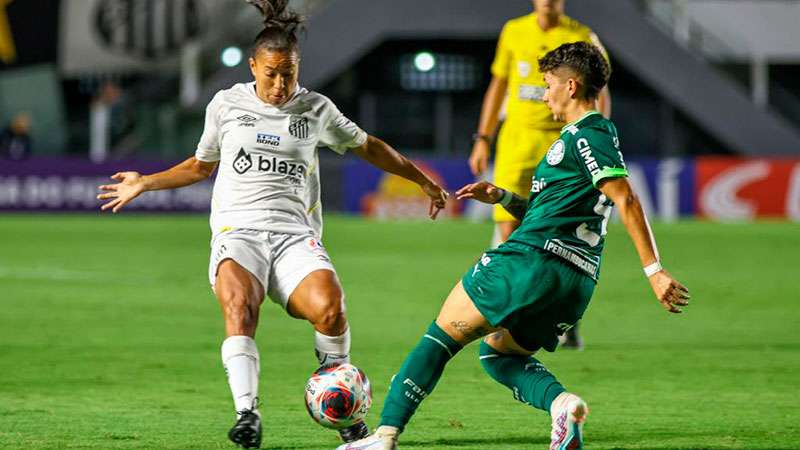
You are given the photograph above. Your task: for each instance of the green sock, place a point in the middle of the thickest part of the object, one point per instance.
(418, 376)
(527, 378)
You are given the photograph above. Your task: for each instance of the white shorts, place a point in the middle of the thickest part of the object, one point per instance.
(279, 261)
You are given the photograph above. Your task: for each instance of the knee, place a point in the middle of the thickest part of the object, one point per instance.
(491, 344)
(329, 316)
(502, 343)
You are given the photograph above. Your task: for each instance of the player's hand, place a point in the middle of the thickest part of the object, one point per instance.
(482, 191)
(479, 159)
(670, 293)
(438, 198)
(129, 187)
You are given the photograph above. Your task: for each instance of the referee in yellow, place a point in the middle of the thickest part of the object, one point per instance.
(529, 128)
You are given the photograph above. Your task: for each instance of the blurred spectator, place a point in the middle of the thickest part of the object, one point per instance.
(15, 139)
(100, 121)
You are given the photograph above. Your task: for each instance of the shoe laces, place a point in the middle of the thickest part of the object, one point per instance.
(252, 410)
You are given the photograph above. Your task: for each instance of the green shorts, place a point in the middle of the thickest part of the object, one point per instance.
(533, 294)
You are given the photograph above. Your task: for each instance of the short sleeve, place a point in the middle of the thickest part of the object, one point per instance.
(340, 133)
(209, 145)
(502, 56)
(598, 151)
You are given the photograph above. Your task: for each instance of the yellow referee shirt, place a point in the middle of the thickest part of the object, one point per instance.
(522, 42)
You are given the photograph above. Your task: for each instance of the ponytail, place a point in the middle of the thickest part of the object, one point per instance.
(281, 26)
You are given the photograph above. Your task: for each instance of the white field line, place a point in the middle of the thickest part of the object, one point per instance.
(44, 273)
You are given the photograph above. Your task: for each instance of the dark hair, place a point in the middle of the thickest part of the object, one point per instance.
(281, 26)
(585, 60)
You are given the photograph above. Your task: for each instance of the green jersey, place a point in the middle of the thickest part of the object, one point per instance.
(567, 215)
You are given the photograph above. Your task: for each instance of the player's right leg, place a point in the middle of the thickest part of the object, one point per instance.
(237, 272)
(459, 322)
(240, 295)
(513, 366)
(319, 299)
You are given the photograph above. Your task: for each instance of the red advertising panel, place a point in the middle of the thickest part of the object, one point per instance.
(742, 188)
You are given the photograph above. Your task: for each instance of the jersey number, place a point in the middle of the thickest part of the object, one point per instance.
(590, 237)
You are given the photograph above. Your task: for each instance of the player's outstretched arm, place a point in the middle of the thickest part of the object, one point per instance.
(487, 124)
(486, 192)
(669, 291)
(131, 184)
(383, 156)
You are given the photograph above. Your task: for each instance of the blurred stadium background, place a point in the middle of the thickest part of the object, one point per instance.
(706, 96)
(705, 93)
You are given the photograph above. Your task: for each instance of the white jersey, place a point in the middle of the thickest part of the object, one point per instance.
(268, 177)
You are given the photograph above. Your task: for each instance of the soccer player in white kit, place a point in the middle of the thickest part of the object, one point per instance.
(266, 222)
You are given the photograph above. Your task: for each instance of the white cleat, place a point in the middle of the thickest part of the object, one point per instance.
(569, 413)
(385, 438)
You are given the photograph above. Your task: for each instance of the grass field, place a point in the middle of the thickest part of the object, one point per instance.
(109, 338)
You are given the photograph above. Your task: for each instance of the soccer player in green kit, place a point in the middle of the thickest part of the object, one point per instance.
(520, 296)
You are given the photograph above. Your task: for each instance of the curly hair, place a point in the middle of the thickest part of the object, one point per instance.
(281, 26)
(585, 60)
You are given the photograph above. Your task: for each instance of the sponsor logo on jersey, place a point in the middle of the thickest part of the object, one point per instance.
(586, 152)
(246, 120)
(524, 68)
(298, 127)
(268, 139)
(294, 172)
(484, 261)
(567, 252)
(538, 185)
(556, 153)
(243, 162)
(528, 92)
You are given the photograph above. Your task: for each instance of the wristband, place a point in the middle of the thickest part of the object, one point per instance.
(653, 269)
(506, 198)
(482, 137)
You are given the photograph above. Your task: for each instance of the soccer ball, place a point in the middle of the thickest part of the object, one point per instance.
(338, 396)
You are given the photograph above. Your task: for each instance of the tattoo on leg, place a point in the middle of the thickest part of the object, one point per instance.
(468, 330)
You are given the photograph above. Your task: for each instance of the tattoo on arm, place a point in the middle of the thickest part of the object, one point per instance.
(517, 207)
(469, 331)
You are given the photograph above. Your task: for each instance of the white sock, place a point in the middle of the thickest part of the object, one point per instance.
(332, 349)
(387, 431)
(241, 361)
(560, 402)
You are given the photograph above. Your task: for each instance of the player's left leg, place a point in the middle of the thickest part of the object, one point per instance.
(319, 299)
(513, 366)
(459, 323)
(305, 282)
